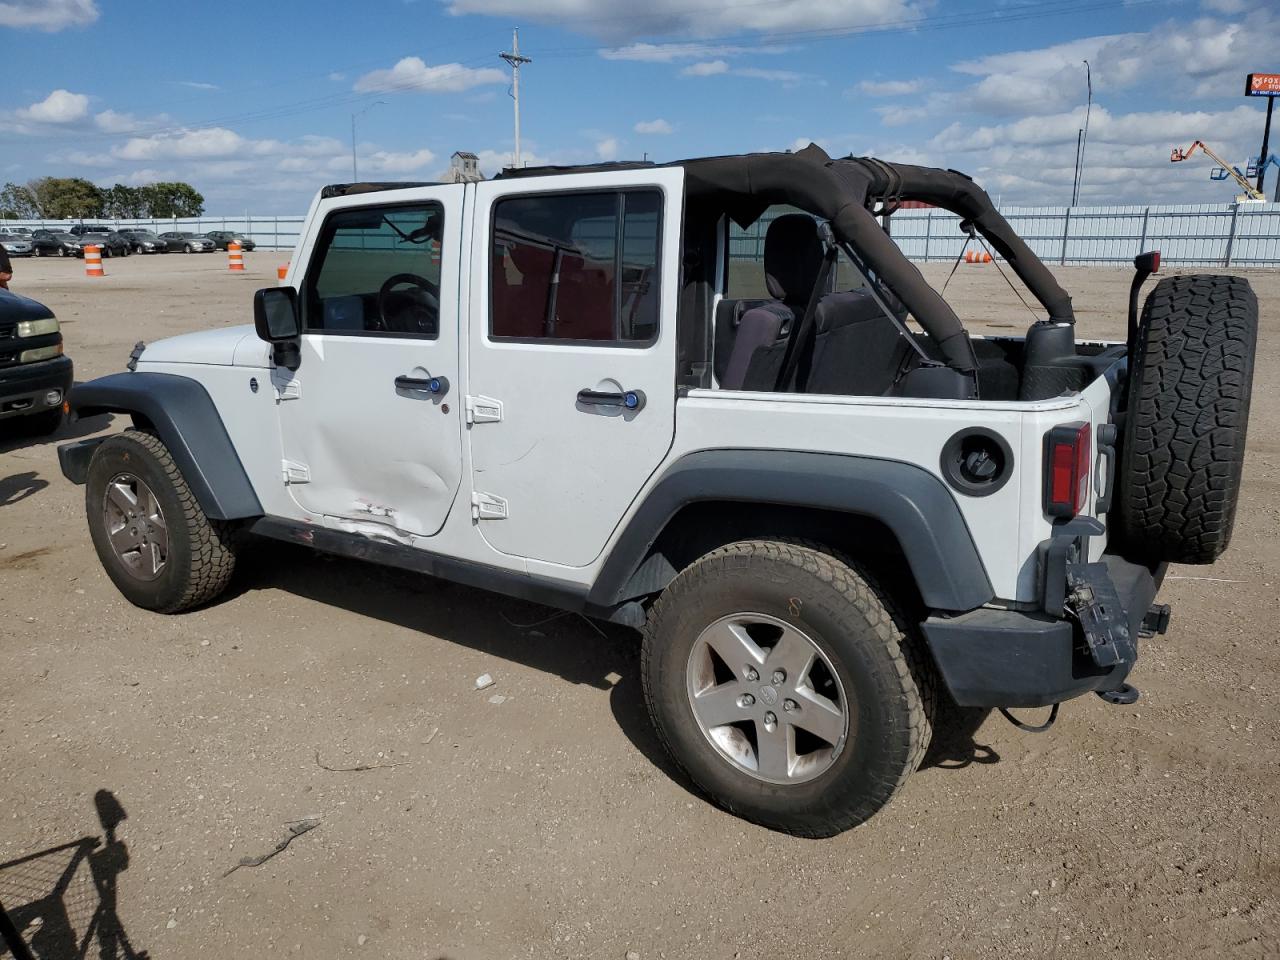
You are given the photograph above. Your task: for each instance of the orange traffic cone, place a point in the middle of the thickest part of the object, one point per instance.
(282, 271)
(93, 261)
(235, 259)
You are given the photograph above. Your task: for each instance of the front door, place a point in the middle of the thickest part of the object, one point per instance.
(572, 355)
(369, 420)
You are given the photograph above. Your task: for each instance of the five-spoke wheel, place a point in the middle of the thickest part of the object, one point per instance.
(767, 698)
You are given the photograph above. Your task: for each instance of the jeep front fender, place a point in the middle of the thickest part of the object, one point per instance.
(183, 415)
(911, 502)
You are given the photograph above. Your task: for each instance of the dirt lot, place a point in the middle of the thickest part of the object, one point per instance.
(549, 825)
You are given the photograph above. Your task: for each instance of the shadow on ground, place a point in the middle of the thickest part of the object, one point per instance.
(14, 437)
(62, 900)
(567, 645)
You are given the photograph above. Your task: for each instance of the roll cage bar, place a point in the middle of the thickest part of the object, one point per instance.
(846, 192)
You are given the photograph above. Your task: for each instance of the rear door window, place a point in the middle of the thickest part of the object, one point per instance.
(576, 267)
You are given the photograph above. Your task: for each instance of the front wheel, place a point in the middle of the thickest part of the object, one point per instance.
(154, 541)
(787, 685)
(188, 249)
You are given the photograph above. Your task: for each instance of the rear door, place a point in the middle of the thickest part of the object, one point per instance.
(369, 423)
(572, 355)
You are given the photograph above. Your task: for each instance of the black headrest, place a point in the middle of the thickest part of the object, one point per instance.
(792, 257)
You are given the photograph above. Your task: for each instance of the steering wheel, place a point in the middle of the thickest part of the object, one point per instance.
(409, 311)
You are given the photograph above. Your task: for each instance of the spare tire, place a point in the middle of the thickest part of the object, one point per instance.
(1190, 375)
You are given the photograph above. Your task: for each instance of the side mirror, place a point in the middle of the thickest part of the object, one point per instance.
(275, 316)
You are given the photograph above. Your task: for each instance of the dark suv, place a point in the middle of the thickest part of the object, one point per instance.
(35, 375)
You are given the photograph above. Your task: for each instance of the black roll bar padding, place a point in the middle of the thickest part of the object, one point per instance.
(955, 192)
(745, 186)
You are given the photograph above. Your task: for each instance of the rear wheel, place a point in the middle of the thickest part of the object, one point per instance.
(1188, 413)
(787, 685)
(153, 539)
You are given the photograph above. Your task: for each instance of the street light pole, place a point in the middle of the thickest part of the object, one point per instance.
(1083, 139)
(355, 176)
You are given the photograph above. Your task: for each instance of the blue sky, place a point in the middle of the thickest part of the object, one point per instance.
(252, 103)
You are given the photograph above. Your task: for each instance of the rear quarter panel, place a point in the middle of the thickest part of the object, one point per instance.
(1006, 526)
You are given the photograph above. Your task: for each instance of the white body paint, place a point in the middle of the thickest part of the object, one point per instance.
(401, 468)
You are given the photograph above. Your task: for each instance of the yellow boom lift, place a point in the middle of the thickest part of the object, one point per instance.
(1221, 171)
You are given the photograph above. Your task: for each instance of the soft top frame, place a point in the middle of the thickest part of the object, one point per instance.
(845, 192)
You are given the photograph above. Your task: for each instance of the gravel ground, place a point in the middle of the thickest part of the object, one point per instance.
(548, 824)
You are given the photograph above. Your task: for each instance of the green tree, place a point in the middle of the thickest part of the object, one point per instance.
(67, 198)
(18, 202)
(124, 201)
(173, 200)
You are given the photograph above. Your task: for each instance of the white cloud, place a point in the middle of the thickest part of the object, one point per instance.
(889, 88)
(707, 68)
(712, 68)
(654, 126)
(111, 121)
(196, 84)
(413, 74)
(209, 142)
(1203, 57)
(1226, 6)
(336, 76)
(670, 52)
(48, 15)
(607, 149)
(388, 161)
(623, 19)
(785, 77)
(898, 116)
(1150, 131)
(61, 106)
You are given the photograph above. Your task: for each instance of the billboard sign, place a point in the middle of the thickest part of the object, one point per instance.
(1262, 85)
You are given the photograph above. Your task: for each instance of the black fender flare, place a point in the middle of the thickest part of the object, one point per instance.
(187, 421)
(913, 503)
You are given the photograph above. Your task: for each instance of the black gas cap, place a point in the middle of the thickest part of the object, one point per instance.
(977, 462)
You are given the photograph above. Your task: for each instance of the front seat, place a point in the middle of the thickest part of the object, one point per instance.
(756, 337)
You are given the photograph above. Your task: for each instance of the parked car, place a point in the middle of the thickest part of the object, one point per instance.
(144, 241)
(109, 242)
(35, 376)
(82, 228)
(824, 518)
(15, 245)
(221, 238)
(51, 243)
(181, 241)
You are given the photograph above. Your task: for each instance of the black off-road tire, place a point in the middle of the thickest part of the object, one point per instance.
(201, 555)
(881, 664)
(1182, 454)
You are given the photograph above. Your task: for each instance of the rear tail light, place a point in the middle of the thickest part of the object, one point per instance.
(1068, 460)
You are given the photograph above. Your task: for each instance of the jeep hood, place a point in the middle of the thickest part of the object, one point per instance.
(226, 347)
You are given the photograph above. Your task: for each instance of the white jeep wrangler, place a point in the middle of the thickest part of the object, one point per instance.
(824, 503)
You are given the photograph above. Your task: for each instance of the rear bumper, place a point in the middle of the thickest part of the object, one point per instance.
(23, 388)
(1008, 658)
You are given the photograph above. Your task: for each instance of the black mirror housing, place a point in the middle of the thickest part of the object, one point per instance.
(275, 314)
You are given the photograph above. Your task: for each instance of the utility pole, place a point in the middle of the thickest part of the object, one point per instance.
(515, 60)
(355, 176)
